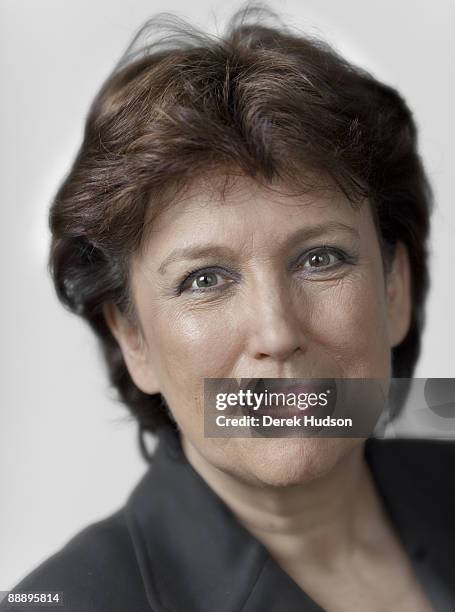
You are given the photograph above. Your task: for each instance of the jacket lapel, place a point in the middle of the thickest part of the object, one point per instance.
(194, 555)
(415, 480)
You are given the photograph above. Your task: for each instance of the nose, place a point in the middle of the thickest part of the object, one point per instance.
(276, 329)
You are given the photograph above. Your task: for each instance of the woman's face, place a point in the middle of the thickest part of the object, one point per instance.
(242, 288)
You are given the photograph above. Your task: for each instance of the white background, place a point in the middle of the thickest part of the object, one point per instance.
(68, 453)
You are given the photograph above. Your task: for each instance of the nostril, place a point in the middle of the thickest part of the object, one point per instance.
(279, 354)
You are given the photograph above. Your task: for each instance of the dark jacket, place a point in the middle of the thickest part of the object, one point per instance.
(176, 547)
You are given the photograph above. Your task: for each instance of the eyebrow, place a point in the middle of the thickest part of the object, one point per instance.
(211, 250)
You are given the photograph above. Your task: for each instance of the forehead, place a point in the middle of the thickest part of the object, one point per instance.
(236, 207)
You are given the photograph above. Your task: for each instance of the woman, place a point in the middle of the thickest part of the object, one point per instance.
(252, 206)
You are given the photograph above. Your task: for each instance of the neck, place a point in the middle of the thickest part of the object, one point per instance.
(323, 520)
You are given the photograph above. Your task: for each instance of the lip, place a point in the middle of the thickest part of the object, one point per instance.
(293, 386)
(287, 384)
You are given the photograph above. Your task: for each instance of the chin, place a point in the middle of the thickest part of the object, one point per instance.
(283, 462)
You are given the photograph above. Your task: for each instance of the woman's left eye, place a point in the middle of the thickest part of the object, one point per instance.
(321, 258)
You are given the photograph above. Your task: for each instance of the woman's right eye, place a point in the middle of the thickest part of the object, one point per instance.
(204, 281)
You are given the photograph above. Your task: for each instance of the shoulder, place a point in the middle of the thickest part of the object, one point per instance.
(95, 570)
(425, 467)
(410, 454)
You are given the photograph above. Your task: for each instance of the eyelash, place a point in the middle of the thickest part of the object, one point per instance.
(199, 272)
(343, 258)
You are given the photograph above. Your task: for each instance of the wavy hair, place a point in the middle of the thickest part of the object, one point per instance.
(263, 98)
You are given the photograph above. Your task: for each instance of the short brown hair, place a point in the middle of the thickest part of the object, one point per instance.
(262, 98)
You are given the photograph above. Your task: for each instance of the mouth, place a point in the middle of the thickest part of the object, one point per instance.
(286, 398)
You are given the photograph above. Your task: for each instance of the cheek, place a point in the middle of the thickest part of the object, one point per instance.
(190, 343)
(197, 342)
(349, 322)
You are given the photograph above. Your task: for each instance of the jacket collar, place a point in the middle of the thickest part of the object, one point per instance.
(195, 556)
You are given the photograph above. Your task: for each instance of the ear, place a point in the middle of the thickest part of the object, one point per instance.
(134, 349)
(398, 289)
